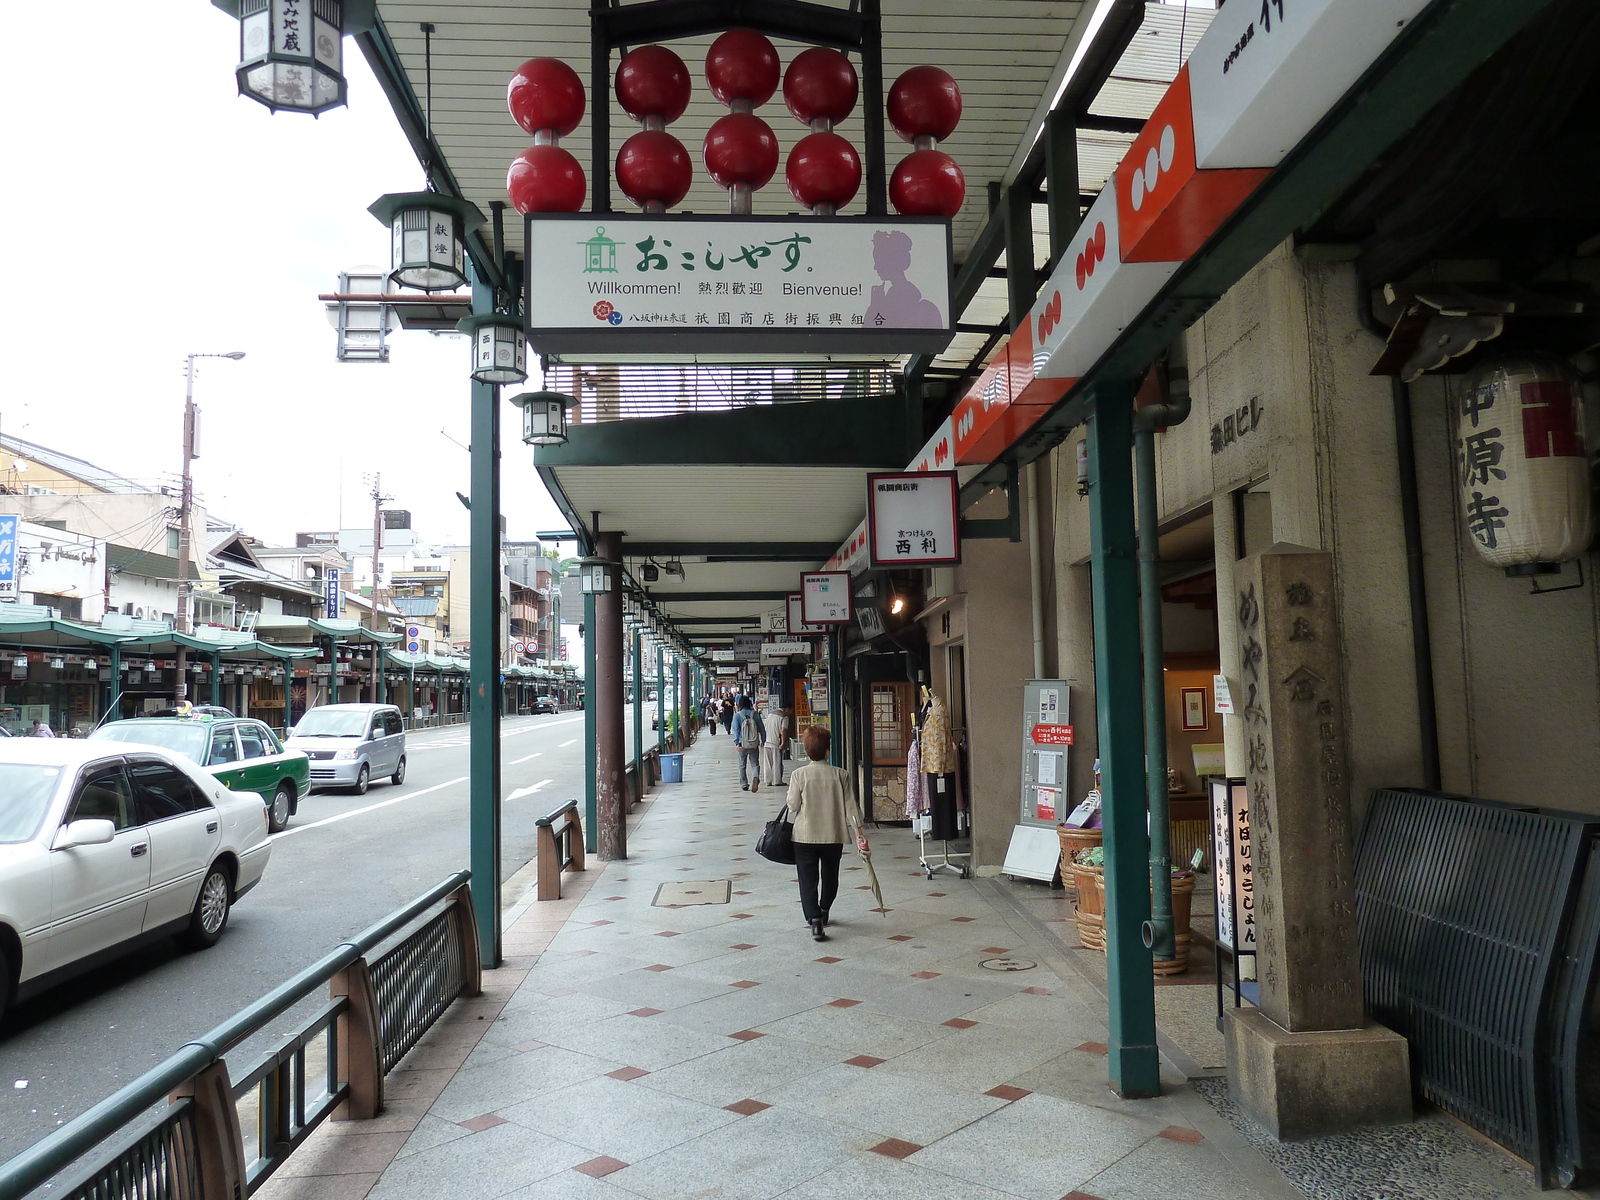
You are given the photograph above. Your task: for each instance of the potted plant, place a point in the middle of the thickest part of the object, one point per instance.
(1088, 875)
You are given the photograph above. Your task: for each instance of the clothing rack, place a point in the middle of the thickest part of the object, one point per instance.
(958, 863)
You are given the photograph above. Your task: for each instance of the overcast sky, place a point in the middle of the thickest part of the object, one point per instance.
(153, 212)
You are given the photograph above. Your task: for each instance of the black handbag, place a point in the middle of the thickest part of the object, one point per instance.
(776, 842)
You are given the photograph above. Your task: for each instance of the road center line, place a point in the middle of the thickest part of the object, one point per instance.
(564, 745)
(527, 758)
(356, 812)
(528, 791)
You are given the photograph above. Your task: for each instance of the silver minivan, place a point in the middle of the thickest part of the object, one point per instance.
(349, 745)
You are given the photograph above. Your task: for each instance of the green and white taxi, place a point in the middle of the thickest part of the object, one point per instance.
(244, 755)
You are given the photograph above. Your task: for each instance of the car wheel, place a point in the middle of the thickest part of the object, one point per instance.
(211, 909)
(399, 775)
(362, 780)
(282, 805)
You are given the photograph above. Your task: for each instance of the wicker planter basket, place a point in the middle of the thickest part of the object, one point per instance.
(1073, 840)
(1091, 914)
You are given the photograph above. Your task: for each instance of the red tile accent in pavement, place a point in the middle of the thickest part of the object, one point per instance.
(670, 932)
(658, 967)
(960, 1023)
(746, 1035)
(902, 856)
(745, 983)
(741, 860)
(598, 1168)
(863, 1060)
(924, 974)
(479, 1124)
(895, 1148)
(899, 937)
(1182, 1133)
(741, 893)
(1079, 1196)
(646, 1012)
(938, 893)
(828, 958)
(997, 949)
(878, 910)
(616, 897)
(843, 1003)
(863, 887)
(963, 918)
(1036, 991)
(628, 1074)
(582, 953)
(528, 1047)
(602, 922)
(622, 879)
(742, 946)
(685, 868)
(747, 1108)
(1006, 1092)
(742, 916)
(1094, 1048)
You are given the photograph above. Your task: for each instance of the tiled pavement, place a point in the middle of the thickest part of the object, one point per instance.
(717, 1052)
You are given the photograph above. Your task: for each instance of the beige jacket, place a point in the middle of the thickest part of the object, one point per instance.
(822, 803)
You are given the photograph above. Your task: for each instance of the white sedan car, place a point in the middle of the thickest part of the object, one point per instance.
(105, 846)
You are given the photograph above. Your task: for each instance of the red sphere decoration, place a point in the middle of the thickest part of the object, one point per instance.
(820, 84)
(545, 179)
(545, 93)
(742, 64)
(924, 101)
(652, 81)
(653, 165)
(741, 148)
(927, 183)
(823, 168)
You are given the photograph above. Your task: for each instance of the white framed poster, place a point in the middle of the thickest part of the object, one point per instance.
(825, 598)
(913, 518)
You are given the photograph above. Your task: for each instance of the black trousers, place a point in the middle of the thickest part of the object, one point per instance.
(817, 864)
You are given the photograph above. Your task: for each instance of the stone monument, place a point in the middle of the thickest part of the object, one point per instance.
(1307, 1062)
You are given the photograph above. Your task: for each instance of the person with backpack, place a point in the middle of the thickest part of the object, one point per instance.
(749, 737)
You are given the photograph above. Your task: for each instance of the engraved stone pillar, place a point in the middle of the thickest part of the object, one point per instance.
(1306, 1062)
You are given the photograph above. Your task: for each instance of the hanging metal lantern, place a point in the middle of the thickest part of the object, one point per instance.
(1522, 464)
(544, 417)
(499, 348)
(428, 238)
(291, 54)
(597, 575)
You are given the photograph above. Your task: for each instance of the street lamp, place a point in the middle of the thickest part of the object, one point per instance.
(291, 54)
(597, 575)
(428, 234)
(499, 347)
(191, 451)
(544, 417)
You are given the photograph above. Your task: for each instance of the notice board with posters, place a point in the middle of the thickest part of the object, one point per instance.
(1047, 737)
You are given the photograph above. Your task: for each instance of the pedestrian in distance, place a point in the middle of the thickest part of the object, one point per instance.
(823, 807)
(727, 715)
(748, 735)
(775, 728)
(708, 709)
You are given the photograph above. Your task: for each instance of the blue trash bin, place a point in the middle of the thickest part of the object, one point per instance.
(672, 768)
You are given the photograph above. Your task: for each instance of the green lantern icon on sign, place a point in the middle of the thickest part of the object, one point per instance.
(600, 253)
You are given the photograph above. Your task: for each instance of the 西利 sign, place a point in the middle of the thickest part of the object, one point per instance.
(913, 518)
(680, 282)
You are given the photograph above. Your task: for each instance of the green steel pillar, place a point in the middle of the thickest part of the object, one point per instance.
(638, 710)
(835, 698)
(483, 623)
(1134, 1059)
(288, 693)
(333, 673)
(661, 697)
(216, 677)
(111, 709)
(411, 691)
(591, 726)
(378, 655)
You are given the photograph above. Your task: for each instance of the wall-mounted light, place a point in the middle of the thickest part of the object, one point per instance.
(897, 605)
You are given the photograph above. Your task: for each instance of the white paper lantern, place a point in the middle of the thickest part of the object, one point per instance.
(291, 54)
(499, 348)
(1522, 464)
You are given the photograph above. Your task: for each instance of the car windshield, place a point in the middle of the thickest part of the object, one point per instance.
(181, 737)
(25, 792)
(332, 722)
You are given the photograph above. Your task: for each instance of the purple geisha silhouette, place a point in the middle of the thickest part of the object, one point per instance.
(897, 302)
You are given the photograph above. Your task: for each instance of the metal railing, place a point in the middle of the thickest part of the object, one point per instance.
(214, 1138)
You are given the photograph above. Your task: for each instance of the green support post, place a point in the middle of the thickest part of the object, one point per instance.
(638, 711)
(835, 698)
(111, 708)
(333, 672)
(661, 697)
(1134, 1059)
(288, 693)
(591, 777)
(484, 673)
(411, 691)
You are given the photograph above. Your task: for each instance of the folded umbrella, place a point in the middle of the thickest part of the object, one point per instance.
(872, 878)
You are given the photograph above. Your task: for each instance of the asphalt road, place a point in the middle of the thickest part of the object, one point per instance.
(344, 862)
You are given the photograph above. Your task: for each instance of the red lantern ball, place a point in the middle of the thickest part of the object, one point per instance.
(924, 101)
(927, 183)
(652, 81)
(545, 179)
(823, 168)
(545, 93)
(653, 165)
(820, 84)
(742, 64)
(741, 148)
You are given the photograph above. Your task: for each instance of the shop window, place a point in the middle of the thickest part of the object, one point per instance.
(172, 543)
(891, 723)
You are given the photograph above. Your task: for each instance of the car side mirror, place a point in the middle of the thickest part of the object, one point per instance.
(91, 831)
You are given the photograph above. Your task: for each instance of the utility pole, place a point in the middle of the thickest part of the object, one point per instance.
(377, 572)
(191, 451)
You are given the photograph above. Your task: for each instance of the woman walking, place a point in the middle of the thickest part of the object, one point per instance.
(822, 805)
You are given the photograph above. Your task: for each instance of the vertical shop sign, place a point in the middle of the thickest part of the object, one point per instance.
(8, 557)
(913, 519)
(333, 595)
(825, 598)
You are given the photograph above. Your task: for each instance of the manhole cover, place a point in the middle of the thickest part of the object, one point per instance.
(1008, 964)
(689, 892)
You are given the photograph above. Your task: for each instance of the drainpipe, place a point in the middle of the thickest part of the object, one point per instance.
(1031, 485)
(1159, 933)
(1405, 454)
